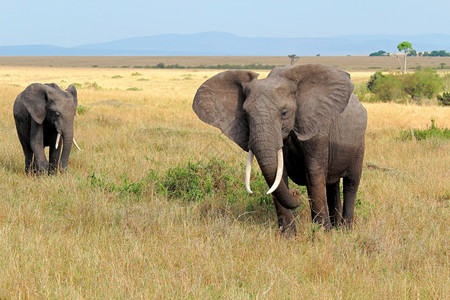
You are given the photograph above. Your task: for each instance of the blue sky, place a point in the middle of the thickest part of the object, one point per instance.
(73, 23)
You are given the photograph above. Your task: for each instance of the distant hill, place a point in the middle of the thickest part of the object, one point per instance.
(219, 43)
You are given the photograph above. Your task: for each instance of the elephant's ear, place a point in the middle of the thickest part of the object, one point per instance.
(322, 94)
(219, 102)
(35, 97)
(73, 92)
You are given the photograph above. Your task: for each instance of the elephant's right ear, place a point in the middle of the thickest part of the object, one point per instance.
(73, 91)
(34, 98)
(219, 102)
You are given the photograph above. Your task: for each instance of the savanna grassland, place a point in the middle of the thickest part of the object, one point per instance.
(154, 206)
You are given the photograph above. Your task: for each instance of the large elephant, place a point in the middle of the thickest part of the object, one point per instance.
(301, 122)
(43, 114)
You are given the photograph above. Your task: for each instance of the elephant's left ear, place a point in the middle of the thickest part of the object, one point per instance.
(322, 94)
(34, 98)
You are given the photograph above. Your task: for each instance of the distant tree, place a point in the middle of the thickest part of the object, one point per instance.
(378, 53)
(412, 53)
(406, 47)
(436, 53)
(293, 58)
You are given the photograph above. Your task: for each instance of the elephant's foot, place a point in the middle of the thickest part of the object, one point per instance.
(289, 230)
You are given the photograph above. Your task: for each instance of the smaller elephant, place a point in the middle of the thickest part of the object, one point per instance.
(44, 116)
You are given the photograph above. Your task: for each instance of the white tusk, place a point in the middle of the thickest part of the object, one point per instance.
(76, 145)
(279, 175)
(248, 171)
(58, 137)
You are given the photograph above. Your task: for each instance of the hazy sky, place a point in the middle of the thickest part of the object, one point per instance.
(73, 23)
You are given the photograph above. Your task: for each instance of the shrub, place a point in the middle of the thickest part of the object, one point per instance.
(197, 180)
(444, 99)
(92, 85)
(376, 76)
(125, 189)
(430, 132)
(422, 83)
(363, 93)
(388, 87)
(134, 89)
(81, 110)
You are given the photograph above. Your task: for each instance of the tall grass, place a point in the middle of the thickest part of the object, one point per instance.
(113, 227)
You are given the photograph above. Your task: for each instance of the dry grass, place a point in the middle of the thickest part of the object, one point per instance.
(349, 63)
(65, 237)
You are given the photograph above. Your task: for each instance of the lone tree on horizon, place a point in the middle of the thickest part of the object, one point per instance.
(407, 48)
(293, 58)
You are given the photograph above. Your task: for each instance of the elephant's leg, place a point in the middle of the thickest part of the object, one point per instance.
(334, 203)
(54, 155)
(28, 162)
(28, 152)
(37, 145)
(285, 216)
(316, 163)
(286, 220)
(350, 187)
(318, 201)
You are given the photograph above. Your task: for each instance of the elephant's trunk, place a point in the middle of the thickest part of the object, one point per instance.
(279, 176)
(268, 155)
(67, 146)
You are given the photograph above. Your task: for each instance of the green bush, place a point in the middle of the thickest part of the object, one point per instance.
(388, 88)
(363, 93)
(125, 189)
(444, 99)
(394, 87)
(195, 181)
(378, 75)
(422, 83)
(81, 110)
(430, 132)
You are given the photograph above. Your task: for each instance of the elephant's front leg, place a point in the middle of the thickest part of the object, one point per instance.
(316, 162)
(54, 154)
(285, 217)
(318, 201)
(286, 220)
(37, 145)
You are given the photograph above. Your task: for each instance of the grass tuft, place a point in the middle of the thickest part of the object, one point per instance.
(423, 134)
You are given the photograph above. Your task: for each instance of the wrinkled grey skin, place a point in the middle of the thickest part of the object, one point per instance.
(310, 112)
(40, 112)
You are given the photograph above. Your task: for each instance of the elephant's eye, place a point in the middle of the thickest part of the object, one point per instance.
(284, 113)
(57, 115)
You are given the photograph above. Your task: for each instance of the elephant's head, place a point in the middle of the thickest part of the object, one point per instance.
(260, 114)
(49, 104)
